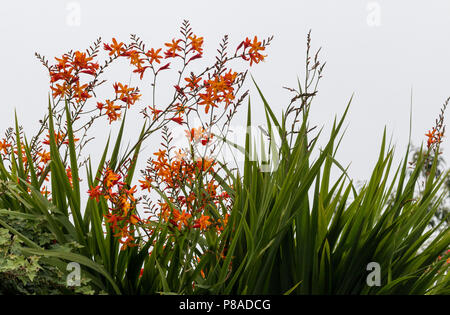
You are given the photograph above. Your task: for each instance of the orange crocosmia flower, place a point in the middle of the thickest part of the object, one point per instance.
(118, 86)
(165, 211)
(130, 193)
(131, 99)
(217, 85)
(80, 91)
(205, 163)
(181, 218)
(155, 112)
(255, 47)
(208, 100)
(124, 205)
(227, 98)
(246, 43)
(128, 243)
(193, 82)
(62, 62)
(161, 164)
(203, 222)
(67, 140)
(180, 108)
(178, 120)
(431, 137)
(146, 184)
(128, 95)
(4, 146)
(58, 138)
(218, 90)
(69, 175)
(160, 154)
(229, 77)
(134, 219)
(95, 193)
(60, 90)
(140, 71)
(110, 178)
(111, 111)
(211, 189)
(45, 156)
(113, 220)
(62, 70)
(80, 60)
(154, 55)
(196, 43)
(91, 69)
(135, 59)
(116, 48)
(173, 48)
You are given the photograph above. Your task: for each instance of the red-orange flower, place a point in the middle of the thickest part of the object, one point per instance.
(4, 146)
(110, 178)
(208, 100)
(146, 184)
(111, 111)
(181, 218)
(434, 137)
(45, 156)
(202, 222)
(95, 193)
(60, 90)
(155, 112)
(80, 92)
(255, 47)
(113, 220)
(173, 48)
(80, 60)
(154, 55)
(69, 175)
(115, 47)
(134, 219)
(135, 59)
(178, 120)
(62, 62)
(196, 43)
(192, 82)
(431, 135)
(160, 154)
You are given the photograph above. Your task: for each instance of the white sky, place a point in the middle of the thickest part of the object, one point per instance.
(377, 50)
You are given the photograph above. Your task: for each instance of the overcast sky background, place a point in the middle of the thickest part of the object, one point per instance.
(378, 50)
